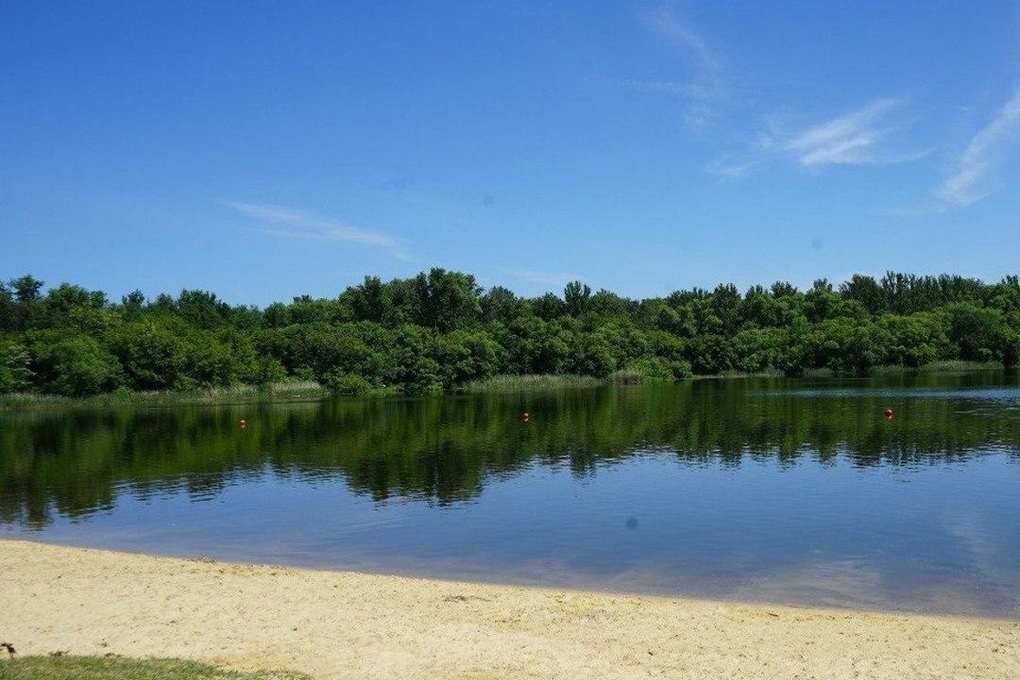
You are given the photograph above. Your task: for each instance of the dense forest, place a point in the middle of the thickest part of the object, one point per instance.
(441, 329)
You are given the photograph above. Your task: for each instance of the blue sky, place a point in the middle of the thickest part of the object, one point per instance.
(263, 150)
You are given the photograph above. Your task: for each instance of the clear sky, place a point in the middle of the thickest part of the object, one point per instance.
(263, 150)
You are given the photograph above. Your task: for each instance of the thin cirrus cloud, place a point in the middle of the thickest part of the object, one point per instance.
(300, 225)
(703, 85)
(730, 169)
(703, 57)
(853, 139)
(974, 175)
(865, 136)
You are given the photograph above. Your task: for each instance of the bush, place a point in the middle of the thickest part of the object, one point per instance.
(626, 376)
(346, 384)
(77, 366)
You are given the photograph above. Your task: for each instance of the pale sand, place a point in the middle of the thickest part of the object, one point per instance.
(347, 625)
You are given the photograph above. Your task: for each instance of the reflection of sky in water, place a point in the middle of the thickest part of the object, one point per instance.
(937, 537)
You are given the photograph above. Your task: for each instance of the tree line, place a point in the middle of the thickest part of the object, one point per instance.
(440, 329)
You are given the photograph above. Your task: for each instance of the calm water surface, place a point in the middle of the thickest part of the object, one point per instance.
(780, 491)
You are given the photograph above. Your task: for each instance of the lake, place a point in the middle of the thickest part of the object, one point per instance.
(779, 490)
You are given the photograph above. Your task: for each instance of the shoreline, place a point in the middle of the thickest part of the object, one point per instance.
(336, 625)
(297, 391)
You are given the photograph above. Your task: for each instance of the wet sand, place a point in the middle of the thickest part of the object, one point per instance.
(336, 625)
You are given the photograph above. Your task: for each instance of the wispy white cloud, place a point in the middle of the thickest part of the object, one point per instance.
(680, 33)
(704, 84)
(290, 223)
(974, 175)
(732, 169)
(851, 139)
(866, 136)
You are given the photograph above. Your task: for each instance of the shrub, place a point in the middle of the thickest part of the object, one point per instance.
(346, 384)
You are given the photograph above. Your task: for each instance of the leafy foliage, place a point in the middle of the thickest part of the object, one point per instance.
(439, 330)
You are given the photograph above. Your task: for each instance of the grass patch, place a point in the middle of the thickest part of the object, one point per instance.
(955, 366)
(766, 373)
(122, 668)
(892, 369)
(289, 391)
(960, 366)
(501, 383)
(627, 376)
(29, 400)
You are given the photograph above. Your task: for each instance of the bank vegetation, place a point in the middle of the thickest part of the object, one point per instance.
(441, 330)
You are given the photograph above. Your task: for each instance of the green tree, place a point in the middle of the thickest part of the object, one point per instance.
(591, 354)
(725, 306)
(865, 289)
(757, 349)
(465, 356)
(548, 307)
(670, 349)
(759, 309)
(413, 360)
(820, 303)
(25, 309)
(277, 315)
(201, 309)
(304, 310)
(132, 305)
(62, 301)
(915, 340)
(368, 301)
(153, 353)
(446, 301)
(576, 297)
(26, 289)
(848, 346)
(977, 332)
(15, 368)
(76, 366)
(208, 362)
(323, 351)
(500, 304)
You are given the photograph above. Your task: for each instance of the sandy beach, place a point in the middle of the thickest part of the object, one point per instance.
(346, 625)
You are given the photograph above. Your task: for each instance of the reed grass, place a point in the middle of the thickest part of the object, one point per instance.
(959, 366)
(767, 373)
(627, 376)
(287, 391)
(530, 382)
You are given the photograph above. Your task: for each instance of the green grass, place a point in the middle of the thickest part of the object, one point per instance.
(240, 394)
(960, 366)
(121, 668)
(955, 366)
(290, 391)
(767, 373)
(531, 382)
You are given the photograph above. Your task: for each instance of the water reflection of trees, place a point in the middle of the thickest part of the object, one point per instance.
(445, 449)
